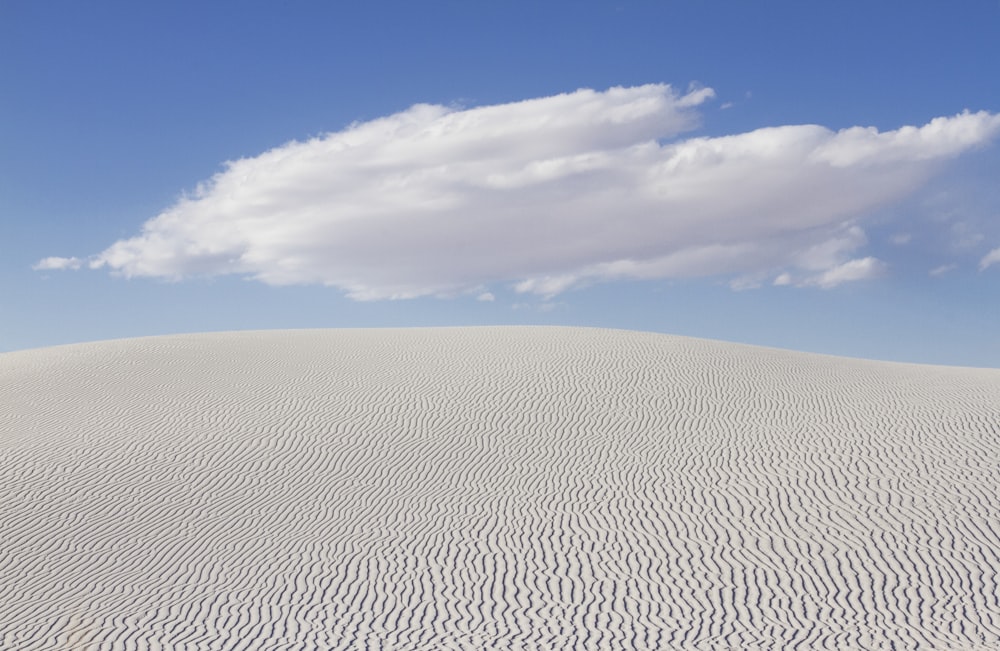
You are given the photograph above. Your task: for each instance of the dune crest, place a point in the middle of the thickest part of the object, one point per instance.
(502, 488)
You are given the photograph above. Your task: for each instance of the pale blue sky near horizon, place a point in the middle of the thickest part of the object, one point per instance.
(113, 113)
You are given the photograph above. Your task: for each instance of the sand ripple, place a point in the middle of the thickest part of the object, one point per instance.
(502, 488)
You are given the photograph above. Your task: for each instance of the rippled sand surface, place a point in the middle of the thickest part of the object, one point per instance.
(493, 488)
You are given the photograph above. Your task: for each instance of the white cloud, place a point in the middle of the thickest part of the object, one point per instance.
(486, 297)
(942, 269)
(57, 263)
(965, 236)
(940, 138)
(544, 194)
(850, 271)
(829, 253)
(743, 283)
(991, 258)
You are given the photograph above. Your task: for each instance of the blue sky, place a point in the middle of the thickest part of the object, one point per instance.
(182, 167)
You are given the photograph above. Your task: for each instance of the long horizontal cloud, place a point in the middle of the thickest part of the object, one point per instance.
(544, 194)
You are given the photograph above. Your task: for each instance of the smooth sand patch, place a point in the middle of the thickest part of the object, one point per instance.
(500, 488)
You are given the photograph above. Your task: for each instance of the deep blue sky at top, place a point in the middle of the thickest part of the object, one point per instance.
(110, 110)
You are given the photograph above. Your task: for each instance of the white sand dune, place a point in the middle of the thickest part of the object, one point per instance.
(493, 488)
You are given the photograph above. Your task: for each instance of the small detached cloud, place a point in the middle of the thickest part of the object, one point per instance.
(850, 271)
(544, 195)
(990, 259)
(964, 236)
(942, 269)
(56, 263)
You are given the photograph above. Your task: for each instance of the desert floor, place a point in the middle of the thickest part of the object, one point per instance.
(493, 488)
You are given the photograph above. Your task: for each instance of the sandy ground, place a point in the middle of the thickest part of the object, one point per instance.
(493, 488)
